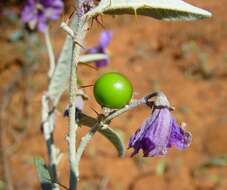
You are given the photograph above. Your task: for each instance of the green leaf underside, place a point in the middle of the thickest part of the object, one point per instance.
(162, 14)
(43, 173)
(113, 136)
(159, 9)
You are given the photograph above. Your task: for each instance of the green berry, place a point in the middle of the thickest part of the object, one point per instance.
(113, 90)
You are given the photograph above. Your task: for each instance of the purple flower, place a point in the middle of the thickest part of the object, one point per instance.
(158, 133)
(79, 105)
(37, 13)
(104, 41)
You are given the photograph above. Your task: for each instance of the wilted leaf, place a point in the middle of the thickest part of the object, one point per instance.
(43, 173)
(159, 9)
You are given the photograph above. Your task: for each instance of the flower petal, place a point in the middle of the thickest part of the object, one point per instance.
(160, 131)
(42, 24)
(105, 39)
(101, 63)
(52, 3)
(179, 137)
(37, 13)
(153, 137)
(29, 12)
(53, 13)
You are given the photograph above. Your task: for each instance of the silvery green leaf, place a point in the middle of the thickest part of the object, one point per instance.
(43, 173)
(60, 79)
(93, 57)
(159, 9)
(114, 137)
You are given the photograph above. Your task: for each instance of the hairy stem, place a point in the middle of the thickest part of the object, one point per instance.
(48, 127)
(48, 117)
(72, 125)
(79, 35)
(85, 140)
(50, 53)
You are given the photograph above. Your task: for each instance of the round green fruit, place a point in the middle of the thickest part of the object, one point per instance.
(113, 90)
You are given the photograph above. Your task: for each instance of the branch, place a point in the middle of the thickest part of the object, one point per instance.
(50, 53)
(48, 118)
(72, 124)
(105, 120)
(77, 36)
(48, 127)
(90, 121)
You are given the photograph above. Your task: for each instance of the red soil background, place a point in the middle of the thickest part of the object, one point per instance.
(186, 60)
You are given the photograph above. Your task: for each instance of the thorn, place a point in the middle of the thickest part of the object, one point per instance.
(67, 20)
(100, 22)
(94, 111)
(79, 44)
(63, 186)
(88, 65)
(92, 21)
(85, 86)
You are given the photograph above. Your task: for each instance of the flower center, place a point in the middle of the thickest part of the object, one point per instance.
(39, 6)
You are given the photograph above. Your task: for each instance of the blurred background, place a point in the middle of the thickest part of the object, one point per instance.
(186, 60)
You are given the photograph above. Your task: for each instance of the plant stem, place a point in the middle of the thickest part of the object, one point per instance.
(79, 37)
(48, 127)
(97, 124)
(50, 53)
(72, 125)
(86, 139)
(48, 117)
